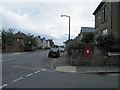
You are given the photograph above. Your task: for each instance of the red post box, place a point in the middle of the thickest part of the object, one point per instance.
(87, 51)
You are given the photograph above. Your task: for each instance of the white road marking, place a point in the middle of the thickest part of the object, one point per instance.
(12, 54)
(8, 59)
(25, 52)
(29, 75)
(3, 85)
(101, 71)
(28, 56)
(17, 79)
(114, 74)
(53, 64)
(54, 61)
(113, 71)
(17, 53)
(8, 54)
(88, 71)
(61, 54)
(43, 69)
(37, 72)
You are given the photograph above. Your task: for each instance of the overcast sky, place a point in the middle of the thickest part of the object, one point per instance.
(42, 17)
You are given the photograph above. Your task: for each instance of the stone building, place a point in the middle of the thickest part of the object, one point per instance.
(0, 41)
(50, 43)
(18, 44)
(85, 30)
(107, 18)
(38, 42)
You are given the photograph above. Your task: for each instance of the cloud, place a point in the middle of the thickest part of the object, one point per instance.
(43, 18)
(52, 0)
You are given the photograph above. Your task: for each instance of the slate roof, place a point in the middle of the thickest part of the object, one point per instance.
(87, 29)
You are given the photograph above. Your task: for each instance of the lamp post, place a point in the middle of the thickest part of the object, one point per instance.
(69, 24)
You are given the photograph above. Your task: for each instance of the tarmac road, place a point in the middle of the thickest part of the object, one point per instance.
(33, 70)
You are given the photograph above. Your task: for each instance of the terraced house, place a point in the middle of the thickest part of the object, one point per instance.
(107, 18)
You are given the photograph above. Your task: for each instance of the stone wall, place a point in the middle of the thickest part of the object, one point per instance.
(97, 58)
(14, 48)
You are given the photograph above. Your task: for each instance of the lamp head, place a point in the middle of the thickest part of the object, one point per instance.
(62, 15)
(65, 16)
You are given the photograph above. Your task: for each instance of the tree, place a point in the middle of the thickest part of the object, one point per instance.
(88, 38)
(7, 37)
(73, 45)
(29, 42)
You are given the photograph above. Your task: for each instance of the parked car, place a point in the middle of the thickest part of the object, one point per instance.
(61, 49)
(33, 48)
(54, 52)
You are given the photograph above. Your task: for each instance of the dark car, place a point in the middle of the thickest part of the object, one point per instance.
(54, 52)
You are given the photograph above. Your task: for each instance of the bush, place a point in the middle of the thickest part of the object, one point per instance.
(73, 45)
(108, 43)
(88, 38)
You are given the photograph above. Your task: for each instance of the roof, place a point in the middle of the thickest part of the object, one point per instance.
(20, 34)
(99, 7)
(87, 29)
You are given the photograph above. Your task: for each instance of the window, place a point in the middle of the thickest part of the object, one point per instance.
(104, 14)
(104, 32)
(99, 18)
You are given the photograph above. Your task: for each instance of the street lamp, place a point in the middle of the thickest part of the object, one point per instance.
(69, 24)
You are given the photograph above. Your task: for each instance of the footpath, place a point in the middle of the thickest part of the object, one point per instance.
(62, 65)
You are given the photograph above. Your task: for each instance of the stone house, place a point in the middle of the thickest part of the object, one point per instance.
(38, 42)
(84, 31)
(44, 43)
(107, 18)
(0, 41)
(18, 44)
(50, 43)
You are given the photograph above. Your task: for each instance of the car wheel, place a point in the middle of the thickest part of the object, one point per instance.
(49, 55)
(58, 56)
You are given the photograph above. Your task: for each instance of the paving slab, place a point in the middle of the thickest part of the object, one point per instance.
(66, 68)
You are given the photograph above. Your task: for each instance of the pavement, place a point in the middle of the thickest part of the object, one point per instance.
(62, 65)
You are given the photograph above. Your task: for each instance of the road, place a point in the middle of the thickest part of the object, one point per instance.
(33, 70)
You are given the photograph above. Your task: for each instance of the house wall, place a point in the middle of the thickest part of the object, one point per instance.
(119, 18)
(14, 48)
(44, 44)
(100, 24)
(0, 43)
(111, 23)
(38, 42)
(48, 44)
(84, 31)
(115, 19)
